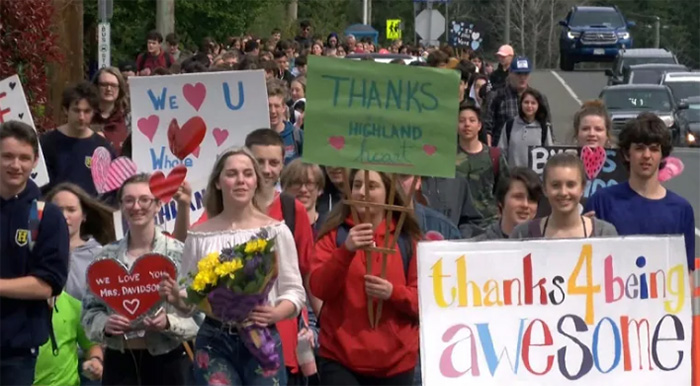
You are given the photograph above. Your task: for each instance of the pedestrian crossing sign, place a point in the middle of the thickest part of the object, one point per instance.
(393, 29)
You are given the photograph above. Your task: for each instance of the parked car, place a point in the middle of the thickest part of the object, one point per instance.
(592, 34)
(683, 85)
(625, 102)
(692, 116)
(631, 57)
(651, 73)
(386, 58)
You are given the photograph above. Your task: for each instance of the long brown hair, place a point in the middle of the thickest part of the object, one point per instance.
(99, 220)
(122, 102)
(341, 211)
(213, 198)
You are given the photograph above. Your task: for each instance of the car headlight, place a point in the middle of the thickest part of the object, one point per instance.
(623, 35)
(691, 138)
(668, 120)
(573, 35)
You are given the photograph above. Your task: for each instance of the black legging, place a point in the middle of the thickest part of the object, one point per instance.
(139, 367)
(335, 374)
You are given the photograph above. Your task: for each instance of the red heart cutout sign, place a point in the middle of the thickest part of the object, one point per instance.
(130, 293)
(165, 188)
(183, 141)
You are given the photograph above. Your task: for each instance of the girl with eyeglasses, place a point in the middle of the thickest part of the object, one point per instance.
(149, 351)
(113, 117)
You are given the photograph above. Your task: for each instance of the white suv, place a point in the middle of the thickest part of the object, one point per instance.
(683, 85)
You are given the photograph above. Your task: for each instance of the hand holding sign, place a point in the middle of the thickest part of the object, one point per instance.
(131, 294)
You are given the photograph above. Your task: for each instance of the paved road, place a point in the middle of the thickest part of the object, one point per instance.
(565, 92)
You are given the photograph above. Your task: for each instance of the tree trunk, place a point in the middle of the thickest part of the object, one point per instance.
(69, 28)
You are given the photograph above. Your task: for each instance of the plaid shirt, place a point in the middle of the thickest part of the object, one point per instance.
(500, 106)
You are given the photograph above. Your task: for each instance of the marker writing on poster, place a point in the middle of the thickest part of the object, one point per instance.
(402, 95)
(159, 100)
(3, 111)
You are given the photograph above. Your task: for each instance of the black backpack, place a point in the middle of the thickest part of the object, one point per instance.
(288, 210)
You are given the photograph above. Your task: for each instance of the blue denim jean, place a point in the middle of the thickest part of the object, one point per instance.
(17, 368)
(221, 358)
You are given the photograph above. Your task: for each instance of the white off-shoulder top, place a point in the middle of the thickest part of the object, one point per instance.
(289, 284)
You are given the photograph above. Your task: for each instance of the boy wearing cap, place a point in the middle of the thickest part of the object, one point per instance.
(505, 58)
(502, 104)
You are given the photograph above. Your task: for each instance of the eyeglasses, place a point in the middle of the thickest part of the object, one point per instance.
(310, 185)
(108, 85)
(144, 202)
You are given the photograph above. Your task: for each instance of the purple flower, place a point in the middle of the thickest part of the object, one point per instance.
(251, 265)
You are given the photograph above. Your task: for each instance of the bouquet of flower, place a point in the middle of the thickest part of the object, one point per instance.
(230, 283)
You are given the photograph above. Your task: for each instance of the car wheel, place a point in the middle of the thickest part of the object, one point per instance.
(566, 62)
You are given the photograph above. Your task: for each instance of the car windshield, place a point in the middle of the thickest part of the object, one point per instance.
(663, 60)
(646, 76)
(603, 18)
(692, 114)
(637, 99)
(685, 89)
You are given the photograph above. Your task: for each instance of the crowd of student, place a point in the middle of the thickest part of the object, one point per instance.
(50, 236)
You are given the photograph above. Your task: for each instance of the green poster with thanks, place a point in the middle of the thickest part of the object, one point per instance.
(384, 117)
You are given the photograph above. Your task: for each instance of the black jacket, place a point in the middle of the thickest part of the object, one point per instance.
(25, 323)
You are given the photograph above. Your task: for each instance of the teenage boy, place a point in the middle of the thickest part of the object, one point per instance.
(293, 138)
(155, 56)
(68, 149)
(469, 198)
(517, 196)
(268, 149)
(34, 259)
(642, 206)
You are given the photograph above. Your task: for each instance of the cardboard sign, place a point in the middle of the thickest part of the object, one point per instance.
(613, 311)
(394, 119)
(13, 106)
(170, 113)
(606, 171)
(131, 293)
(108, 174)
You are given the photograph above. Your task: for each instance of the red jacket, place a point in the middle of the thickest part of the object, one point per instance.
(337, 278)
(304, 240)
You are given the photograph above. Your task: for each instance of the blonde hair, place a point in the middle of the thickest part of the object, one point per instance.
(297, 171)
(213, 198)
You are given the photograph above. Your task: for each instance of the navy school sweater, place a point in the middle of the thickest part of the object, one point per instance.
(25, 323)
(69, 159)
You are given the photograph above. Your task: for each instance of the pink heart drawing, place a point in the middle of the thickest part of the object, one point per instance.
(673, 168)
(433, 236)
(108, 174)
(149, 126)
(593, 158)
(195, 94)
(195, 152)
(429, 149)
(220, 135)
(338, 142)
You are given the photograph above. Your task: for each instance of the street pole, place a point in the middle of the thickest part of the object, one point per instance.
(430, 23)
(165, 16)
(447, 23)
(364, 11)
(657, 32)
(104, 46)
(293, 11)
(506, 34)
(416, 7)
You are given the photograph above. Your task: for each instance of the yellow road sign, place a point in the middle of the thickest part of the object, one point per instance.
(393, 29)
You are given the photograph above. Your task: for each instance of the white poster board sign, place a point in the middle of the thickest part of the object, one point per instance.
(614, 311)
(13, 106)
(231, 104)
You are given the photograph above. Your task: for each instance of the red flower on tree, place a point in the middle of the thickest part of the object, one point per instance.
(27, 46)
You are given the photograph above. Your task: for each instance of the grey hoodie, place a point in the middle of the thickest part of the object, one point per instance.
(522, 136)
(80, 259)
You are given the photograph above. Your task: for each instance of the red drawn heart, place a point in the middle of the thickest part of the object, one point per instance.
(183, 141)
(195, 152)
(164, 188)
(148, 126)
(338, 142)
(429, 149)
(131, 293)
(220, 135)
(195, 94)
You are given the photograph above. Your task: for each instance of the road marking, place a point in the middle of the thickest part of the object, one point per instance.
(566, 87)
